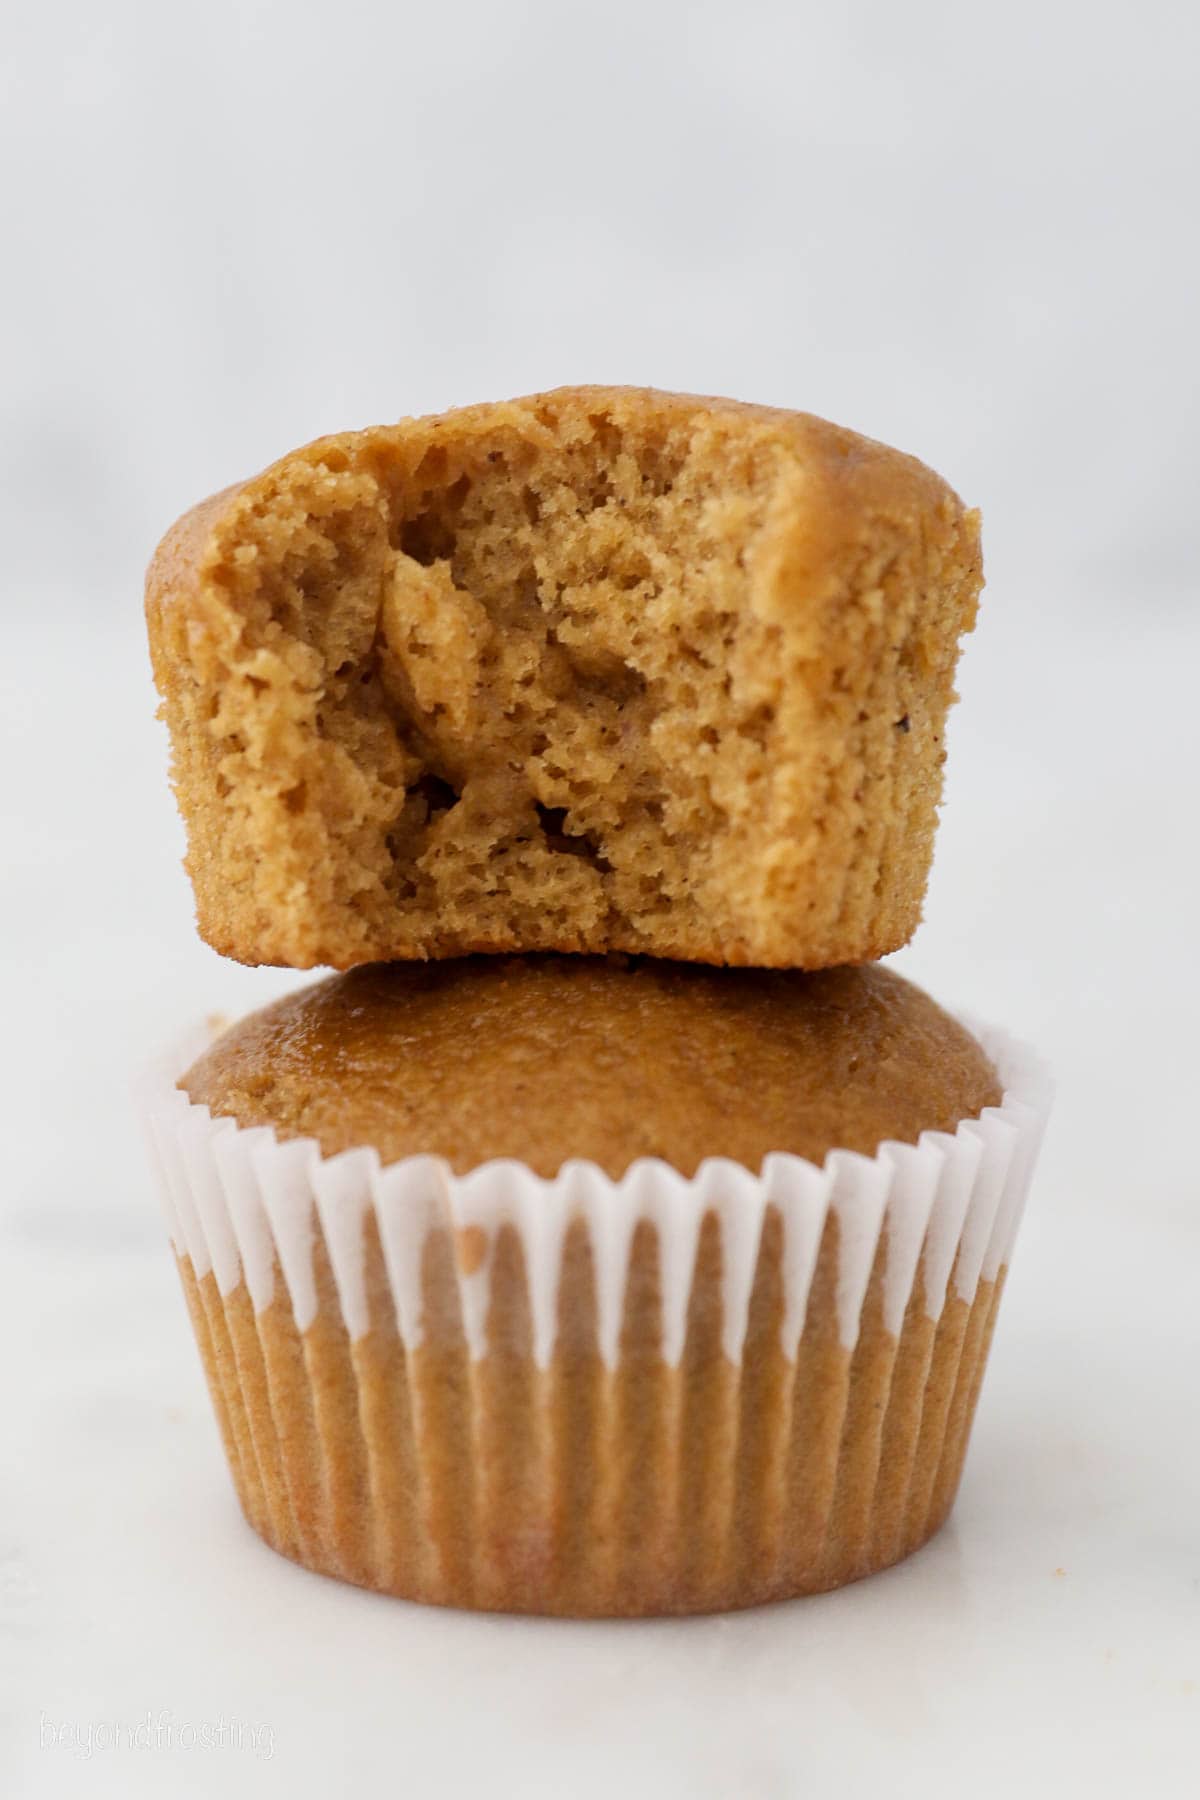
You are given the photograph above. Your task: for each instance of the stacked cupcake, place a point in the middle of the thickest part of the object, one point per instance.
(612, 1235)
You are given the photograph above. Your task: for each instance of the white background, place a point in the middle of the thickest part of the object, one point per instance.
(969, 230)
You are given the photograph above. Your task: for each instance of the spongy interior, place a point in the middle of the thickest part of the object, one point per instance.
(528, 692)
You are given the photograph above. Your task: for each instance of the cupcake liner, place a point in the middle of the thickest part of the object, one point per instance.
(589, 1396)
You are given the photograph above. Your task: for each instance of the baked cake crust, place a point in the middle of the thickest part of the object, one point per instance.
(547, 1058)
(600, 669)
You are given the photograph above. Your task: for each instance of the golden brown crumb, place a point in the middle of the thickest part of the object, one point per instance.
(599, 669)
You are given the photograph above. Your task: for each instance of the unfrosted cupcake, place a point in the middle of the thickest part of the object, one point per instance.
(570, 1286)
(598, 670)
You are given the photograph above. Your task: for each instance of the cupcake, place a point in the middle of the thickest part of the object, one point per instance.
(597, 670)
(593, 1286)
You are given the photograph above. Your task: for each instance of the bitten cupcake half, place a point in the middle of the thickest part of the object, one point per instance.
(601, 669)
(596, 1288)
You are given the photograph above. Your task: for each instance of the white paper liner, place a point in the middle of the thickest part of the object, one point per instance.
(243, 1204)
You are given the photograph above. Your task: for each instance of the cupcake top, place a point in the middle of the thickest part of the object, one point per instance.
(547, 1058)
(600, 669)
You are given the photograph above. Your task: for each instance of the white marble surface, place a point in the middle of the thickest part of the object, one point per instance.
(967, 230)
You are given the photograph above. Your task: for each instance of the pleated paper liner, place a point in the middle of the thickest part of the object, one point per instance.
(589, 1397)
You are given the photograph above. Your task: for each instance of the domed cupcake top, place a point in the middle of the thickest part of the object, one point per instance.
(549, 1058)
